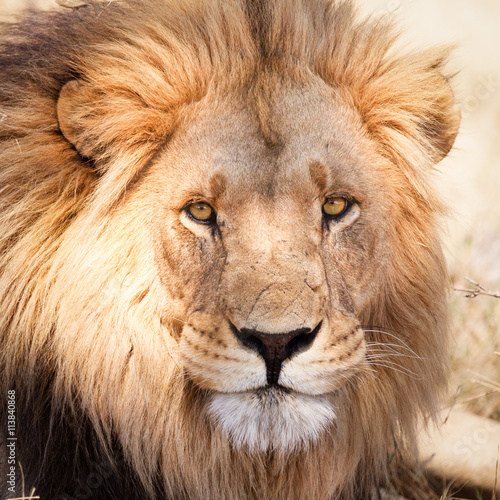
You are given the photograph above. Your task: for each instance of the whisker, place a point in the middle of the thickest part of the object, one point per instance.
(389, 334)
(390, 346)
(401, 343)
(179, 320)
(171, 318)
(390, 353)
(172, 350)
(381, 329)
(397, 368)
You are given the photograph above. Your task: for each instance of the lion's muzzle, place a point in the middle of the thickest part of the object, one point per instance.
(276, 347)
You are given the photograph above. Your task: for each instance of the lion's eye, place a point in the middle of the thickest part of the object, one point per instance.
(202, 212)
(335, 206)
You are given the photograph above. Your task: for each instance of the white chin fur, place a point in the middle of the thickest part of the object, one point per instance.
(271, 419)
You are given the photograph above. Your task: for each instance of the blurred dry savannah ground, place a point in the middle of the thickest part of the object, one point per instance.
(469, 179)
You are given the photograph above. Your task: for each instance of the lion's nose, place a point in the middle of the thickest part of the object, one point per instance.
(276, 347)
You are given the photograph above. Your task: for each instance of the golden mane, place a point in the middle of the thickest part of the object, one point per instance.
(142, 63)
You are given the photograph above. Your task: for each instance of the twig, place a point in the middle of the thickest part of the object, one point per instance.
(26, 498)
(478, 290)
(72, 4)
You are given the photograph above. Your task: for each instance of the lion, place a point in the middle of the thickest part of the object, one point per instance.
(220, 257)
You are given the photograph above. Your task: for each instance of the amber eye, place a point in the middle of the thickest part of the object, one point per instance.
(335, 206)
(202, 212)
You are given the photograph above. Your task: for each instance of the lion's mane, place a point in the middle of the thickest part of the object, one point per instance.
(79, 324)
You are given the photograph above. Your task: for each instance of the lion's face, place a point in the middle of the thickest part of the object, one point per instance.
(266, 288)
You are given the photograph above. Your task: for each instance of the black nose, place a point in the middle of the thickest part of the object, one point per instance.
(276, 347)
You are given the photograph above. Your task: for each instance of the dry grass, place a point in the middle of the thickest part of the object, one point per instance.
(475, 358)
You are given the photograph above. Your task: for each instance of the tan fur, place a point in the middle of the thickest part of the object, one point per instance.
(112, 293)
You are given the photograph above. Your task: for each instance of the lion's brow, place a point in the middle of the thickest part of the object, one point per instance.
(218, 184)
(319, 175)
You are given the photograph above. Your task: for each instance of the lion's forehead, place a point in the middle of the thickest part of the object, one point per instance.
(268, 148)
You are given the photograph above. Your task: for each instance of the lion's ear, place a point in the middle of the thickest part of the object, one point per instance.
(410, 108)
(72, 108)
(105, 121)
(442, 133)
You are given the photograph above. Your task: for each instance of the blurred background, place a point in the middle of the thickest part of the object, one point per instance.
(469, 178)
